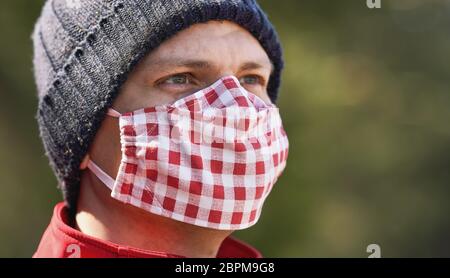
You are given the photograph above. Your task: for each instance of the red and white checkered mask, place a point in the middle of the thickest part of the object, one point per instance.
(209, 159)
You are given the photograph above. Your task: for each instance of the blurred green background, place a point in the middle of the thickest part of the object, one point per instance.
(365, 100)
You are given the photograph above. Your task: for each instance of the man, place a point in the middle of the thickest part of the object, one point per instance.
(111, 74)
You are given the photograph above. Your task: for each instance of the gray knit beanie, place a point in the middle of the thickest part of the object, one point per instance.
(84, 50)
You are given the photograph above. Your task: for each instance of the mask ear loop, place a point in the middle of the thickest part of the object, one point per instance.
(96, 170)
(100, 174)
(113, 113)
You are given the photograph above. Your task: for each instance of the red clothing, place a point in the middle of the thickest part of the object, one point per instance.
(60, 240)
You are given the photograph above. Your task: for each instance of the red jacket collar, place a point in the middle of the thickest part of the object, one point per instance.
(60, 240)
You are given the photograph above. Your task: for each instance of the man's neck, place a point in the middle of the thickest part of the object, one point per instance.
(103, 217)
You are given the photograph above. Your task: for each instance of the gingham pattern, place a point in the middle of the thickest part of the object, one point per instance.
(215, 184)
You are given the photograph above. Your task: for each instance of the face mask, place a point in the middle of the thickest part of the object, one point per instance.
(209, 159)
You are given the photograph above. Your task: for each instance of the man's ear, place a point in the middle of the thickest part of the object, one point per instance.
(84, 163)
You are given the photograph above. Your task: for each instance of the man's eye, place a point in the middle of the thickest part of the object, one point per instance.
(251, 80)
(179, 79)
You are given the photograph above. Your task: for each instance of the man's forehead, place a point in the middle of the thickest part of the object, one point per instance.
(208, 45)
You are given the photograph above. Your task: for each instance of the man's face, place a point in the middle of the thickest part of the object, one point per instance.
(191, 60)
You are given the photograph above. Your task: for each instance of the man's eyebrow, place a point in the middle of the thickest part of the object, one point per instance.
(174, 62)
(204, 64)
(255, 65)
